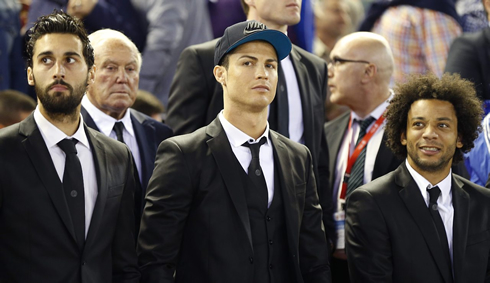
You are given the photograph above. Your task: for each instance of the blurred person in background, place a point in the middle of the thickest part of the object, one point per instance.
(12, 66)
(15, 106)
(419, 33)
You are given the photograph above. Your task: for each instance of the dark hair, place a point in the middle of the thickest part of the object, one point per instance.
(12, 104)
(59, 22)
(245, 7)
(451, 88)
(147, 103)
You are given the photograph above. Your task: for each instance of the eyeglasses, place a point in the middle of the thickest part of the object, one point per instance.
(336, 61)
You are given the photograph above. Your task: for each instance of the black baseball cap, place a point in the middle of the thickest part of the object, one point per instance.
(244, 32)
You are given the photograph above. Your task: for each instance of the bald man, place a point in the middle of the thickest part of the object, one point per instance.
(359, 72)
(105, 106)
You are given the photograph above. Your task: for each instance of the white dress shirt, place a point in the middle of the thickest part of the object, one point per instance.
(444, 202)
(244, 155)
(105, 123)
(52, 135)
(296, 126)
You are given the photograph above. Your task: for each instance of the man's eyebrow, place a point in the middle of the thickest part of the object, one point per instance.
(438, 119)
(110, 61)
(255, 58)
(248, 56)
(69, 53)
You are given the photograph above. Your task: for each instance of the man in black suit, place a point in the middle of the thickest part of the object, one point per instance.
(298, 110)
(421, 223)
(360, 69)
(469, 56)
(66, 191)
(207, 219)
(106, 105)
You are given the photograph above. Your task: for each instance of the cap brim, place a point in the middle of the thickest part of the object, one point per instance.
(277, 39)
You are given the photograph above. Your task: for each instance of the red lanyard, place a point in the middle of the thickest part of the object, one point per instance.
(360, 146)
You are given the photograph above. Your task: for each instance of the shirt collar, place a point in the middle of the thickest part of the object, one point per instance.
(377, 112)
(104, 122)
(52, 135)
(236, 136)
(424, 184)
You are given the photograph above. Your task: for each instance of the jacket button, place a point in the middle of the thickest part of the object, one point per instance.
(271, 266)
(268, 218)
(271, 242)
(83, 263)
(251, 259)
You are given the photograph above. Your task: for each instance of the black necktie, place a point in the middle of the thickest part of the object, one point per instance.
(73, 188)
(279, 108)
(436, 217)
(254, 170)
(118, 128)
(356, 178)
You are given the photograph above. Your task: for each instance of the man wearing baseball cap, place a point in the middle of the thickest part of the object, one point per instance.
(235, 201)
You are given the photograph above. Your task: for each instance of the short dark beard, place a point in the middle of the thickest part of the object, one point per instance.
(56, 105)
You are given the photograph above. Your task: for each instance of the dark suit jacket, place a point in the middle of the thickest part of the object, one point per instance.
(37, 240)
(469, 56)
(149, 134)
(391, 236)
(196, 218)
(196, 98)
(385, 160)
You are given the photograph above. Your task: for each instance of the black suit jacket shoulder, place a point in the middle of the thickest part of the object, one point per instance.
(469, 56)
(391, 236)
(196, 212)
(37, 240)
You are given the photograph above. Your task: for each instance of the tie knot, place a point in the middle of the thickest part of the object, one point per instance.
(68, 146)
(434, 194)
(118, 129)
(255, 147)
(364, 124)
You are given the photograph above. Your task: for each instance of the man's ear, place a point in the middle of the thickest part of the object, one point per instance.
(459, 144)
(91, 75)
(30, 76)
(220, 74)
(403, 139)
(370, 72)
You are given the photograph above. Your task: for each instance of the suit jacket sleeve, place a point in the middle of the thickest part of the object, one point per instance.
(188, 97)
(124, 260)
(463, 59)
(367, 240)
(313, 247)
(168, 201)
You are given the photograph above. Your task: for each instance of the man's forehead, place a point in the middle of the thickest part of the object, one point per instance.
(256, 47)
(51, 42)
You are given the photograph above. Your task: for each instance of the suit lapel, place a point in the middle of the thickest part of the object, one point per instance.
(304, 92)
(410, 194)
(145, 137)
(101, 169)
(286, 182)
(334, 140)
(43, 163)
(221, 151)
(460, 228)
(89, 121)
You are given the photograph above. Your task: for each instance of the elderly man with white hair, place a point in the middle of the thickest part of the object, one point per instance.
(105, 106)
